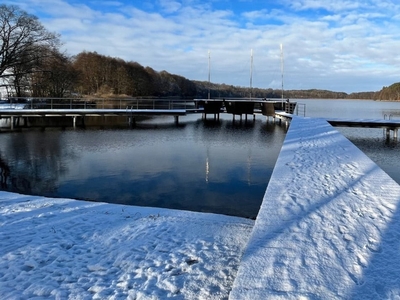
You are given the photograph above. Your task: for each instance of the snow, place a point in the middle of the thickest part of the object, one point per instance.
(328, 228)
(60, 249)
(12, 106)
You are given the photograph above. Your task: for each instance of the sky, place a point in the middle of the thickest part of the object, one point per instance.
(343, 45)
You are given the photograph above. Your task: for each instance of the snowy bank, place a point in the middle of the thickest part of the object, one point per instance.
(329, 225)
(60, 249)
(328, 228)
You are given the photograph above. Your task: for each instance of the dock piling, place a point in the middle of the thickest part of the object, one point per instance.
(395, 133)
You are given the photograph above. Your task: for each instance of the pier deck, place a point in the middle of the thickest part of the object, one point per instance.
(89, 112)
(328, 227)
(15, 114)
(367, 123)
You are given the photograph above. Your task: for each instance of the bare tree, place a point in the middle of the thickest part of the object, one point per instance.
(53, 76)
(22, 37)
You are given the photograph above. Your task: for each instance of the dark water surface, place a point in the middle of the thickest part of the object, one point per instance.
(219, 167)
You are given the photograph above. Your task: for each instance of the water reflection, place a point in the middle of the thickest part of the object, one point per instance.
(30, 162)
(377, 147)
(220, 167)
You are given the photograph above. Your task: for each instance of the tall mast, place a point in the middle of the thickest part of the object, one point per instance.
(282, 68)
(251, 72)
(209, 76)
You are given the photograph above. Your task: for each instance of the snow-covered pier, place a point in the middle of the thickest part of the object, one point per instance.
(329, 224)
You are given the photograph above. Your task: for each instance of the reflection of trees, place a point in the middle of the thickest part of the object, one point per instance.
(32, 162)
(4, 174)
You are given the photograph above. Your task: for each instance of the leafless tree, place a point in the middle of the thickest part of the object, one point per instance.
(53, 76)
(22, 37)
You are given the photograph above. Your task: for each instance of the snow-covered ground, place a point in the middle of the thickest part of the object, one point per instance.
(328, 228)
(329, 225)
(68, 249)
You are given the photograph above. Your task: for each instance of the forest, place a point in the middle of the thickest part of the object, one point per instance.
(32, 65)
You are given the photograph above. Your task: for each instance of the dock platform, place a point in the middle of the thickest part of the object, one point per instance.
(328, 226)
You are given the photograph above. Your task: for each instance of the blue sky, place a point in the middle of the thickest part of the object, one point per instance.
(341, 45)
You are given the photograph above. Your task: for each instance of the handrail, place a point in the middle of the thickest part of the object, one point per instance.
(303, 105)
(102, 103)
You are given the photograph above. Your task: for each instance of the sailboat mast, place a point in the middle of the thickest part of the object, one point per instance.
(251, 72)
(282, 69)
(209, 75)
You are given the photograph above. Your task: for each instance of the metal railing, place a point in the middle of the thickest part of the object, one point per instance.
(301, 108)
(97, 103)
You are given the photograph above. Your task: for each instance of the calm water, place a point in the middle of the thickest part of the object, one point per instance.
(202, 166)
(371, 141)
(212, 167)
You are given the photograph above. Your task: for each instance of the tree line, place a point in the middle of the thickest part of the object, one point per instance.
(32, 64)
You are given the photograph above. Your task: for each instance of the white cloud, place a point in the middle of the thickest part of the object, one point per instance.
(352, 48)
(170, 6)
(332, 6)
(256, 14)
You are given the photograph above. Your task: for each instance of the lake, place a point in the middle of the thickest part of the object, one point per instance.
(220, 167)
(372, 141)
